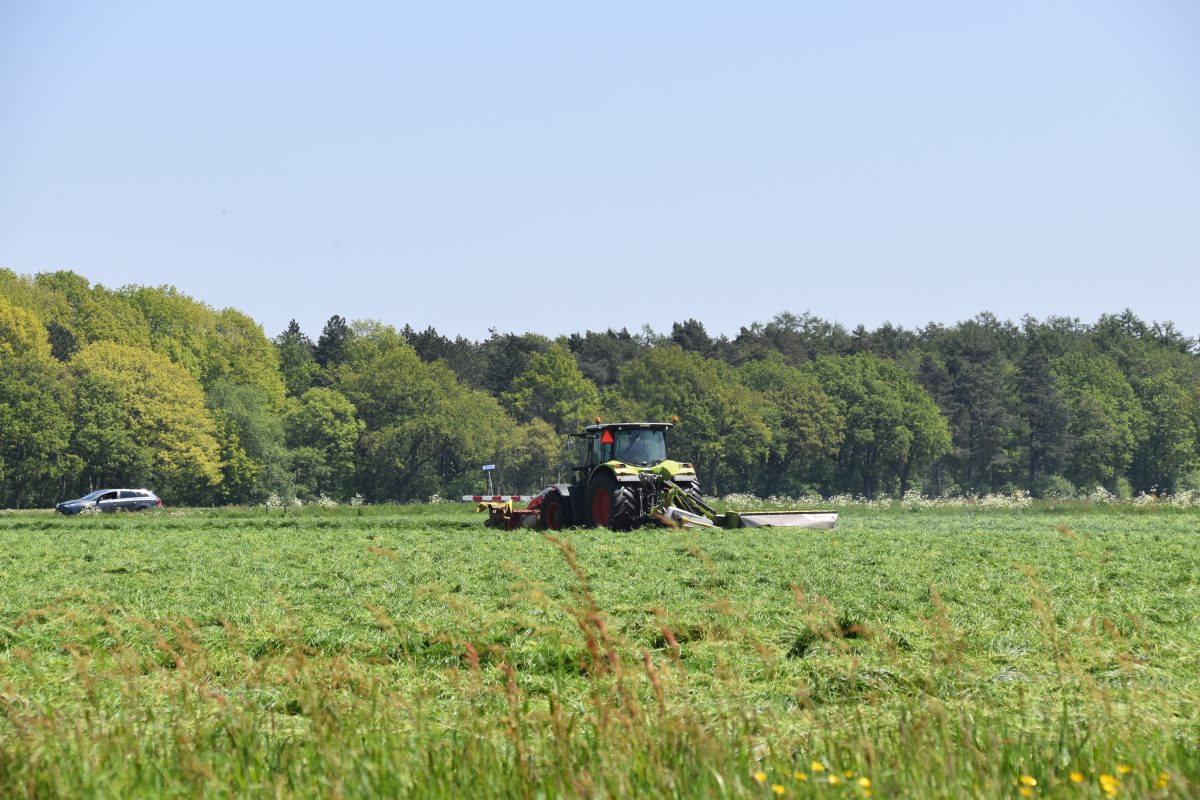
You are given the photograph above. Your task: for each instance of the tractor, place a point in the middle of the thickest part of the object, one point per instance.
(621, 481)
(626, 480)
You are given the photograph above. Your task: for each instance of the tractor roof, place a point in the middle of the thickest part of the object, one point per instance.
(600, 426)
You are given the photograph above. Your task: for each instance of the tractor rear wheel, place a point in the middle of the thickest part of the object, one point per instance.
(553, 512)
(611, 505)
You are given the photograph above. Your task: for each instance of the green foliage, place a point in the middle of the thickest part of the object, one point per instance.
(806, 428)
(1106, 422)
(238, 353)
(1043, 414)
(322, 430)
(601, 355)
(969, 373)
(333, 345)
(178, 326)
(425, 432)
(692, 337)
(254, 458)
(553, 389)
(506, 356)
(1168, 449)
(162, 407)
(22, 335)
(35, 426)
(465, 357)
(892, 425)
(35, 412)
(1053, 487)
(722, 428)
(76, 314)
(1097, 404)
(532, 457)
(103, 440)
(297, 362)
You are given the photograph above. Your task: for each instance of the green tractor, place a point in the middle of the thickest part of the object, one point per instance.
(626, 480)
(620, 483)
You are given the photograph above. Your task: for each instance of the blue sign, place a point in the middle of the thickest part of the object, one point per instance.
(488, 467)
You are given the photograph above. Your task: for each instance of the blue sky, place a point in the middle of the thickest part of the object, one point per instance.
(556, 167)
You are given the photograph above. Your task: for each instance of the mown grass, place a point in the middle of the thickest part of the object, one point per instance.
(409, 651)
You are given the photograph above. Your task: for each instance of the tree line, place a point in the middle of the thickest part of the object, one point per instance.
(144, 386)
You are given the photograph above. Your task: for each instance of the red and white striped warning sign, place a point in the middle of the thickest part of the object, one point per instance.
(497, 498)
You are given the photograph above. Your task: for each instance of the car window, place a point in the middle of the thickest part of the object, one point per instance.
(125, 494)
(108, 496)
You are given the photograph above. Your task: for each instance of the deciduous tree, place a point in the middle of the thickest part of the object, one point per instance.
(162, 406)
(553, 389)
(892, 425)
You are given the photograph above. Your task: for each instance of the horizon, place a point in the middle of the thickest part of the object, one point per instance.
(314, 332)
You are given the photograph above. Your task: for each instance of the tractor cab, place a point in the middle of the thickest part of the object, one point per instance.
(641, 444)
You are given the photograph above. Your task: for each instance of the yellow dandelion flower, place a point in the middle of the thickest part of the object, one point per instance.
(1026, 791)
(1076, 777)
(817, 766)
(760, 777)
(864, 782)
(1124, 769)
(1028, 780)
(866, 792)
(834, 780)
(1163, 779)
(1109, 784)
(800, 776)
(777, 789)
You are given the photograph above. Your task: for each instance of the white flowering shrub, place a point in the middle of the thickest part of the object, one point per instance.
(325, 501)
(913, 501)
(1017, 499)
(356, 501)
(1185, 499)
(743, 502)
(435, 499)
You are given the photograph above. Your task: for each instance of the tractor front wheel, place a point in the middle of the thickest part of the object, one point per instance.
(611, 504)
(553, 512)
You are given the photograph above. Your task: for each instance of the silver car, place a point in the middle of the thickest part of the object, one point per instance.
(112, 500)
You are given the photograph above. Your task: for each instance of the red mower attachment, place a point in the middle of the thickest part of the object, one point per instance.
(502, 515)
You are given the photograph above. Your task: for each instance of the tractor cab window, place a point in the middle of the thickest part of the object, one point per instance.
(641, 446)
(598, 449)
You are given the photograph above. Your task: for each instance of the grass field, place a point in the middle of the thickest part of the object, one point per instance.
(1035, 652)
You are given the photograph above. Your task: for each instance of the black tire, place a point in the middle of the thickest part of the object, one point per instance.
(611, 505)
(554, 513)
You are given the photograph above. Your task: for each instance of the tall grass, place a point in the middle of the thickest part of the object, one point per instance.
(978, 654)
